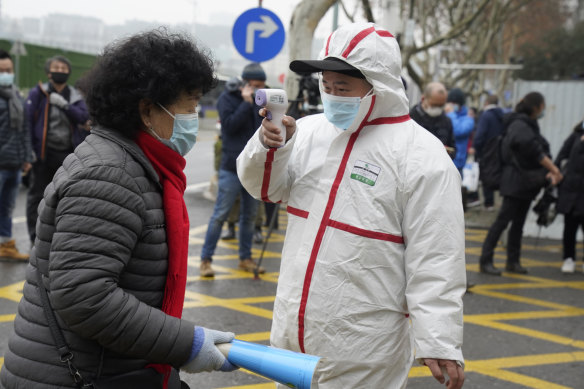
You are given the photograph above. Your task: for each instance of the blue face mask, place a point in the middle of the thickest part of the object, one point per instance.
(340, 110)
(541, 114)
(6, 79)
(184, 131)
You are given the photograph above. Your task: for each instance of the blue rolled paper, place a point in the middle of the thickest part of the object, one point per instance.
(289, 368)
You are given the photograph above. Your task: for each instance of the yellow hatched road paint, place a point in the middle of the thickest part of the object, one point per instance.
(497, 368)
(202, 300)
(546, 336)
(521, 379)
(12, 292)
(7, 318)
(254, 336)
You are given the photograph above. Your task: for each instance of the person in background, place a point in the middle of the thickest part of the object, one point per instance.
(15, 155)
(462, 125)
(429, 113)
(239, 120)
(571, 193)
(55, 113)
(472, 197)
(370, 278)
(113, 234)
(490, 125)
(526, 166)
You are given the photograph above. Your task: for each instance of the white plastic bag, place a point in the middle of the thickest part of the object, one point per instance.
(470, 176)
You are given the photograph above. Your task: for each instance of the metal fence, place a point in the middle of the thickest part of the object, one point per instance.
(30, 66)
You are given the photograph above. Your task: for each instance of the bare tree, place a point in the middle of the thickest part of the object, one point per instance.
(304, 21)
(446, 32)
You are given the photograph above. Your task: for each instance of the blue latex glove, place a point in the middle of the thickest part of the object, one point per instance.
(205, 356)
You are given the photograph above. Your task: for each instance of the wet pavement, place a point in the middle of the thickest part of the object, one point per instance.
(521, 331)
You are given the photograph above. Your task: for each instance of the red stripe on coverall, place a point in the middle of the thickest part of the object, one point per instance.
(323, 226)
(328, 41)
(384, 33)
(297, 212)
(355, 41)
(366, 233)
(389, 120)
(267, 174)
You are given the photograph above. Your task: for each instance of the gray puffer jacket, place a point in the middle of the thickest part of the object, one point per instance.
(101, 247)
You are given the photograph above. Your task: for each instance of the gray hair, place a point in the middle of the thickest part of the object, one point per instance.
(58, 58)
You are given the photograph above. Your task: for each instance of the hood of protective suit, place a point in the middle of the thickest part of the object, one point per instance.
(375, 52)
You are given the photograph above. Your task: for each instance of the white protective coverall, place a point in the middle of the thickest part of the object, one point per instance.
(373, 268)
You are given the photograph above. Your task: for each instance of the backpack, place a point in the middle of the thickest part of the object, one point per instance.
(491, 163)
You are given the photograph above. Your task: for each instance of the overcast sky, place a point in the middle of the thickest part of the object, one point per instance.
(164, 11)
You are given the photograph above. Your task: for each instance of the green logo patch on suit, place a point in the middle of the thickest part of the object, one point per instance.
(365, 172)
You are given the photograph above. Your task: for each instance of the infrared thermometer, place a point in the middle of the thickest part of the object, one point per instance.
(275, 101)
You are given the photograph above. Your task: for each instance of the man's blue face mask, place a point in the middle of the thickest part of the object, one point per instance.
(6, 79)
(184, 131)
(340, 110)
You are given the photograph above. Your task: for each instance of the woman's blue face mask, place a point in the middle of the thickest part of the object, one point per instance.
(341, 111)
(184, 131)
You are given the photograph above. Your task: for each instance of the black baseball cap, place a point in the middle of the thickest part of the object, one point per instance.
(330, 63)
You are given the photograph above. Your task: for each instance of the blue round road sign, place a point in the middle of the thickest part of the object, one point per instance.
(258, 34)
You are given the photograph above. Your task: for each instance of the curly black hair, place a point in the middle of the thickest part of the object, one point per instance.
(156, 66)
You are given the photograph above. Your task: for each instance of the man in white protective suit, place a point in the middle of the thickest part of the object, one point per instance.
(373, 268)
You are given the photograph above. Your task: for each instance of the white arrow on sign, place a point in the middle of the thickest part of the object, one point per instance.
(267, 26)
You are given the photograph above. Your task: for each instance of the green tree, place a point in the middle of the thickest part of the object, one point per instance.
(558, 56)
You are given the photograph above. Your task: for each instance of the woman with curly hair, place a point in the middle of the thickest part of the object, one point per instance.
(105, 286)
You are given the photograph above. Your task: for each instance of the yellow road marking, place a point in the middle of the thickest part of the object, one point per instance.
(202, 300)
(521, 299)
(525, 315)
(254, 336)
(12, 292)
(528, 332)
(496, 367)
(7, 318)
(521, 379)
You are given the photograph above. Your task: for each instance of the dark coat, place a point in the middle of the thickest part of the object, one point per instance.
(522, 149)
(439, 126)
(101, 247)
(490, 125)
(15, 146)
(239, 121)
(37, 105)
(571, 190)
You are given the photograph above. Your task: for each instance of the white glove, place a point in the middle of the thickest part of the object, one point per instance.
(58, 100)
(205, 356)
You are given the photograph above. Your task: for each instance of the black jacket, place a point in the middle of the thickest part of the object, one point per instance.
(490, 125)
(522, 149)
(15, 148)
(571, 190)
(439, 126)
(239, 121)
(101, 248)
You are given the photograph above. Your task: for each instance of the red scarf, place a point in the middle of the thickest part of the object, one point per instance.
(170, 165)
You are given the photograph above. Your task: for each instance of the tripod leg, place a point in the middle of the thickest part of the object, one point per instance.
(270, 229)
